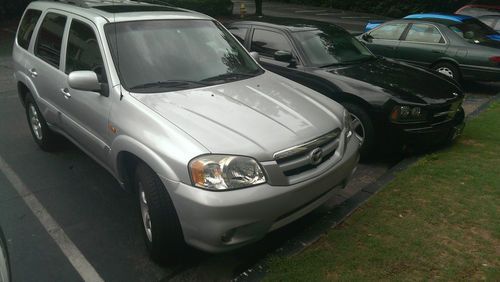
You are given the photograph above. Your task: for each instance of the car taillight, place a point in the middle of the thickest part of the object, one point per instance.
(495, 59)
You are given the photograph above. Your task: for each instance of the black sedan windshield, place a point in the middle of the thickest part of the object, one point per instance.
(474, 31)
(164, 55)
(330, 46)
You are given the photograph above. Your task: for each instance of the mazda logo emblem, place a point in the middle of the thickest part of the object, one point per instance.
(315, 156)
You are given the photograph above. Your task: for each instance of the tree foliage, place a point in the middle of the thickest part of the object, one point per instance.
(392, 8)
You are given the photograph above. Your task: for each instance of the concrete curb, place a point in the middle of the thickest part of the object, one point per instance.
(340, 213)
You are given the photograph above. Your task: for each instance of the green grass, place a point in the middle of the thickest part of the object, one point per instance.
(438, 220)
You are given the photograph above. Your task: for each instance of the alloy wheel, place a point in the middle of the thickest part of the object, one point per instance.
(35, 123)
(446, 71)
(146, 219)
(358, 128)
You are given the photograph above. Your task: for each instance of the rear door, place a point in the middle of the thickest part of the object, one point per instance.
(86, 112)
(422, 44)
(385, 39)
(44, 67)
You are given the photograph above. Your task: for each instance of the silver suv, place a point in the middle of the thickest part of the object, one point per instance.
(219, 150)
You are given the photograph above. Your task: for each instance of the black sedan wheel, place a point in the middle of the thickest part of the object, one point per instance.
(362, 128)
(161, 228)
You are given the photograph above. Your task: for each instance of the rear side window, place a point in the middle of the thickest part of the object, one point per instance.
(389, 31)
(424, 33)
(240, 33)
(49, 40)
(268, 42)
(83, 51)
(27, 26)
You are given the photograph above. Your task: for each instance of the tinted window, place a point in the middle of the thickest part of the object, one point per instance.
(268, 42)
(48, 44)
(26, 28)
(473, 31)
(477, 11)
(240, 33)
(83, 51)
(389, 31)
(488, 21)
(329, 46)
(424, 33)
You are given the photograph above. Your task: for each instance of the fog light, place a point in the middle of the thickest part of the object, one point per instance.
(228, 236)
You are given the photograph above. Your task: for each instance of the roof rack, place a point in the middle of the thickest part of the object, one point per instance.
(88, 3)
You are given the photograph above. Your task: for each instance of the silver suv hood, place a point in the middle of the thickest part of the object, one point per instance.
(253, 117)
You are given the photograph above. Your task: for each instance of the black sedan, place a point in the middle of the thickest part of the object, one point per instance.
(389, 101)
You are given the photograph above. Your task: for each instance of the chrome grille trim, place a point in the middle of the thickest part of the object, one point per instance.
(299, 149)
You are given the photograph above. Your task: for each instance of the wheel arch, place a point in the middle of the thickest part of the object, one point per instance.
(446, 60)
(130, 152)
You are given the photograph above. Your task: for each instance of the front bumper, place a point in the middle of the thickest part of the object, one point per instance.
(432, 135)
(221, 221)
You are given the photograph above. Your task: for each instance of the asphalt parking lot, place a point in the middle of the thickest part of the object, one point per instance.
(102, 221)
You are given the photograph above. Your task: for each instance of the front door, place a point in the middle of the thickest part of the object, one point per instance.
(86, 113)
(385, 40)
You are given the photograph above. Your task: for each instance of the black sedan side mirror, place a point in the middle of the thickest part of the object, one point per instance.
(285, 56)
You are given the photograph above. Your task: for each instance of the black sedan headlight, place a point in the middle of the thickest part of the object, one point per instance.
(405, 113)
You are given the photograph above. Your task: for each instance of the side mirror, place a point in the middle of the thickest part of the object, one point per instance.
(469, 34)
(84, 80)
(367, 37)
(283, 56)
(255, 55)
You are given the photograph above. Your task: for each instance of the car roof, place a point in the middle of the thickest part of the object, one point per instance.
(439, 17)
(290, 24)
(119, 10)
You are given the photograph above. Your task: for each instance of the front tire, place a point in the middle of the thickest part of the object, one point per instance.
(161, 227)
(362, 127)
(45, 138)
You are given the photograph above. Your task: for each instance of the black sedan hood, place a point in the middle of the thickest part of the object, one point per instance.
(398, 80)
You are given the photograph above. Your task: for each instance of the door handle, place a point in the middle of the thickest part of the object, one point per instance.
(33, 72)
(65, 93)
(437, 52)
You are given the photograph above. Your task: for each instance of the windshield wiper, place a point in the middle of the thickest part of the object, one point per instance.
(228, 76)
(177, 84)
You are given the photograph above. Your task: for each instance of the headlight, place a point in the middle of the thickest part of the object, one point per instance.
(347, 123)
(222, 172)
(408, 114)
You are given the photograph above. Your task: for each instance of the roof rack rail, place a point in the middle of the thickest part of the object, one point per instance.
(88, 3)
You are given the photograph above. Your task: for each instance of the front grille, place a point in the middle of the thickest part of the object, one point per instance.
(298, 159)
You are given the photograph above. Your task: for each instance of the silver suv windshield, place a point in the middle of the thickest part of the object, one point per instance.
(166, 55)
